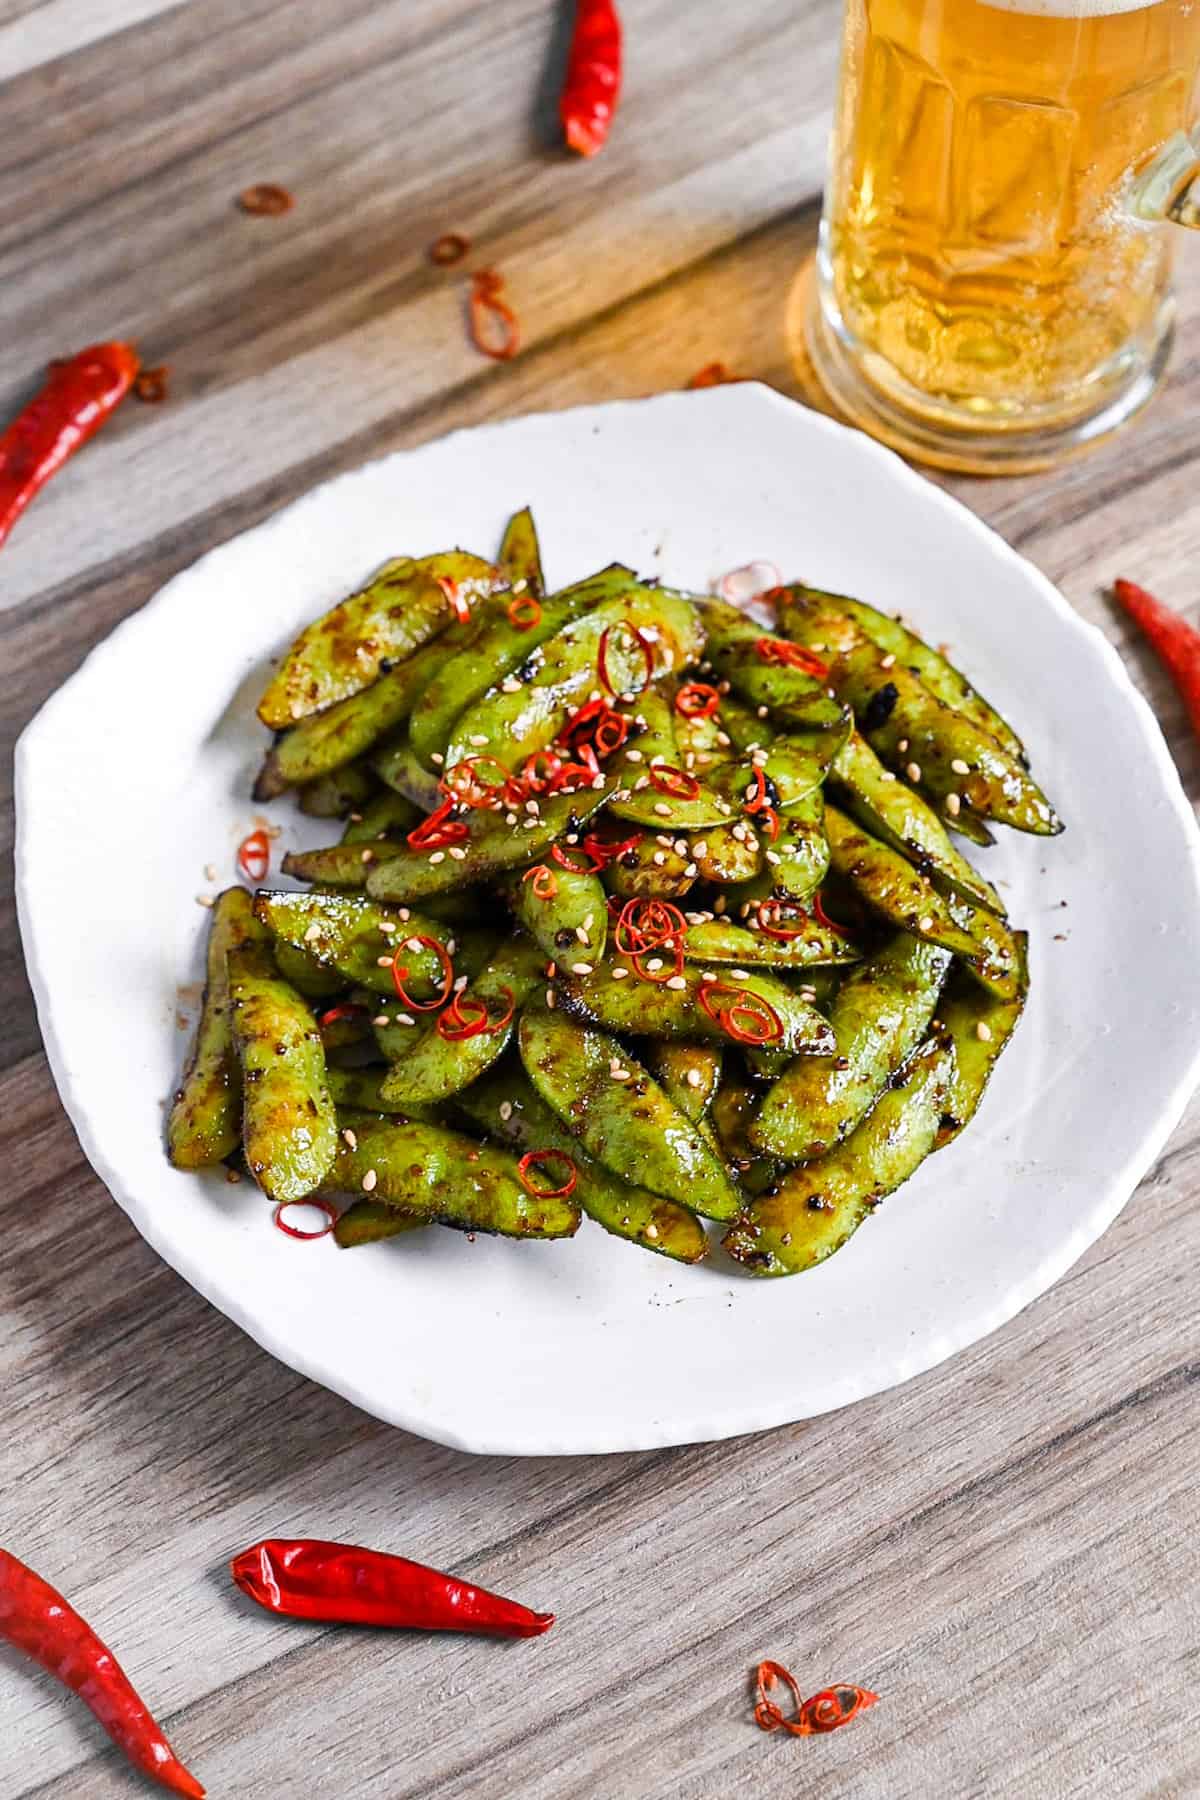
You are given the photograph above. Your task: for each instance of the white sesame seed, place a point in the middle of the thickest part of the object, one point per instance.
(677, 981)
(351, 1140)
(405, 1019)
(518, 587)
(662, 809)
(693, 1078)
(439, 856)
(761, 711)
(589, 919)
(887, 661)
(581, 968)
(505, 1109)
(660, 857)
(478, 737)
(530, 824)
(510, 818)
(652, 1231)
(510, 685)
(960, 767)
(209, 900)
(369, 1180)
(953, 805)
(210, 872)
(700, 849)
(581, 935)
(550, 998)
(313, 933)
(925, 924)
(381, 1019)
(412, 943)
(531, 806)
(643, 781)
(634, 756)
(983, 1032)
(620, 1074)
(709, 975)
(437, 757)
(691, 871)
(405, 914)
(598, 781)
(724, 739)
(772, 857)
(460, 982)
(386, 928)
(740, 974)
(614, 1063)
(381, 962)
(902, 746)
(620, 973)
(887, 775)
(458, 853)
(654, 964)
(368, 856)
(913, 771)
(740, 833)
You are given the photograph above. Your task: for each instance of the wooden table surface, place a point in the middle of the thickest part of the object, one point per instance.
(1005, 1548)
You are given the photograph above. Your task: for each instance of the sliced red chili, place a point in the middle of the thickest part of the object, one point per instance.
(826, 1711)
(697, 700)
(602, 649)
(346, 1010)
(464, 784)
(743, 1015)
(331, 1218)
(400, 975)
(604, 851)
(648, 924)
(525, 611)
(539, 771)
(438, 829)
(767, 920)
(792, 656)
(495, 329)
(266, 199)
(450, 248)
(459, 606)
(675, 782)
(465, 1017)
(254, 855)
(756, 793)
(562, 858)
(545, 881)
(767, 819)
(536, 1159)
(610, 733)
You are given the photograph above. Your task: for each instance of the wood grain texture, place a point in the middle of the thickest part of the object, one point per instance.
(1003, 1548)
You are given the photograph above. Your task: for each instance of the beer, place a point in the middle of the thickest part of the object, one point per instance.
(977, 261)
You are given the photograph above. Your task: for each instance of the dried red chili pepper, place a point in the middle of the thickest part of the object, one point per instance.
(254, 855)
(535, 1159)
(450, 248)
(400, 975)
(524, 612)
(439, 829)
(1173, 640)
(266, 199)
(697, 700)
(791, 656)
(824, 1712)
(307, 1237)
(643, 644)
(78, 396)
(545, 881)
(593, 84)
(35, 1619)
(344, 1584)
(495, 329)
(150, 385)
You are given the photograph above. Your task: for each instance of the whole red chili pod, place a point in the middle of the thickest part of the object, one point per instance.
(593, 84)
(1175, 642)
(79, 395)
(35, 1618)
(344, 1584)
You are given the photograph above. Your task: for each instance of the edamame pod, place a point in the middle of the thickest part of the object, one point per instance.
(615, 997)
(521, 556)
(879, 1016)
(344, 791)
(655, 790)
(890, 887)
(734, 647)
(401, 608)
(289, 1128)
(796, 863)
(565, 909)
(357, 937)
(943, 752)
(650, 869)
(816, 1208)
(204, 1125)
(620, 1114)
(507, 1106)
(437, 1065)
(981, 1026)
(368, 1221)
(689, 1074)
(719, 942)
(441, 1176)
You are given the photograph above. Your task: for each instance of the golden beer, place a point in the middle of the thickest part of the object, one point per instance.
(980, 276)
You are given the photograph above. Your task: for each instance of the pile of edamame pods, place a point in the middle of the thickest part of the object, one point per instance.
(642, 910)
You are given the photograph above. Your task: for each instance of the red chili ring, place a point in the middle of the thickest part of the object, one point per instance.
(602, 658)
(534, 1159)
(307, 1237)
(400, 975)
(545, 881)
(680, 786)
(784, 933)
(750, 1005)
(648, 924)
(697, 700)
(531, 775)
(498, 791)
(524, 612)
(563, 860)
(439, 829)
(254, 850)
(487, 310)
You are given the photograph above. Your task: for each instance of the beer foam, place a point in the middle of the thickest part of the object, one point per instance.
(1070, 9)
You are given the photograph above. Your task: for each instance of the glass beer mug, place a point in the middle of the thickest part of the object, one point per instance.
(992, 286)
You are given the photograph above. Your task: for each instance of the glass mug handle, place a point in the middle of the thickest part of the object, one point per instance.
(1169, 187)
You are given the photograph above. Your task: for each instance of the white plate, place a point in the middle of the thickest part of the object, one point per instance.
(137, 774)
